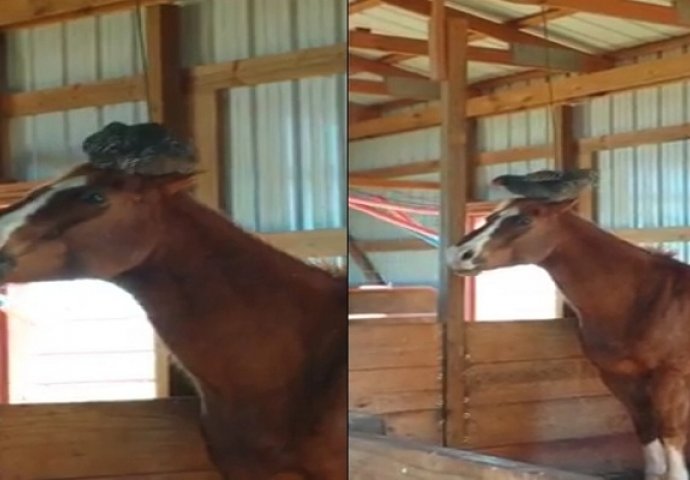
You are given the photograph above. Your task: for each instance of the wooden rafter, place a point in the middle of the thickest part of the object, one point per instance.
(621, 78)
(626, 9)
(573, 60)
(359, 6)
(496, 30)
(30, 13)
(361, 64)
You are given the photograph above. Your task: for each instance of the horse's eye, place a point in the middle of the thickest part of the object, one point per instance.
(523, 220)
(94, 198)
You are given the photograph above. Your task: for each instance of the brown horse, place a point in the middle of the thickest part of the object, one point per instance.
(263, 335)
(633, 307)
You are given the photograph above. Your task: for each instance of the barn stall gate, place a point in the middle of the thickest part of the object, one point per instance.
(529, 394)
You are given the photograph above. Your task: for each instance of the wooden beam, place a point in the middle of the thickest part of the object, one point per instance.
(406, 169)
(419, 89)
(5, 134)
(437, 40)
(566, 146)
(387, 43)
(360, 64)
(365, 182)
(251, 71)
(97, 94)
(319, 61)
(454, 197)
(625, 9)
(207, 108)
(517, 154)
(368, 87)
(371, 274)
(496, 30)
(164, 77)
(394, 245)
(359, 6)
(166, 106)
(30, 13)
(385, 458)
(627, 77)
(632, 139)
(520, 55)
(309, 243)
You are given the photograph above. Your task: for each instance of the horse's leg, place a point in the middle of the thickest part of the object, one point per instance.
(669, 392)
(633, 394)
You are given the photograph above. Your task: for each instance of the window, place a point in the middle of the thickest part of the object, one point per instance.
(524, 292)
(79, 340)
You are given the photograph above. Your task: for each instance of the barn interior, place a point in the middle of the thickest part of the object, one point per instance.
(86, 389)
(484, 377)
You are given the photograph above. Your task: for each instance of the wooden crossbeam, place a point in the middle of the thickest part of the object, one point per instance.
(493, 29)
(527, 21)
(520, 55)
(355, 181)
(359, 6)
(31, 13)
(368, 87)
(360, 64)
(625, 9)
(622, 78)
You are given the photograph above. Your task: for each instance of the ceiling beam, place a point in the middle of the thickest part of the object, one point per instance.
(360, 64)
(519, 55)
(493, 29)
(359, 6)
(534, 20)
(625, 9)
(30, 13)
(627, 77)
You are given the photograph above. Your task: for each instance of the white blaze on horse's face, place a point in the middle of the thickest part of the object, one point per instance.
(15, 219)
(463, 256)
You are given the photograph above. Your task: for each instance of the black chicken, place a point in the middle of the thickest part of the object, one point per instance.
(133, 148)
(548, 185)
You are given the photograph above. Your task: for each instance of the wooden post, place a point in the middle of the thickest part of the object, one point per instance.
(5, 147)
(207, 132)
(164, 67)
(566, 145)
(437, 40)
(454, 187)
(166, 106)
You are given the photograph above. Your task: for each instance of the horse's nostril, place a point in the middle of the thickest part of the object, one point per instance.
(467, 255)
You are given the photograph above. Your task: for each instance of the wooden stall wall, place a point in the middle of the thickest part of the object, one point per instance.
(395, 360)
(530, 394)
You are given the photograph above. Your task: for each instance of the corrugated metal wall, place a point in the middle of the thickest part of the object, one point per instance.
(645, 186)
(285, 146)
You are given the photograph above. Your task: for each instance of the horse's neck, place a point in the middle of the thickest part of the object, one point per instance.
(597, 272)
(239, 315)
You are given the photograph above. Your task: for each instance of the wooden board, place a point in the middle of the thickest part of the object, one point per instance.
(610, 453)
(507, 424)
(422, 425)
(522, 340)
(529, 381)
(394, 346)
(392, 300)
(143, 439)
(379, 458)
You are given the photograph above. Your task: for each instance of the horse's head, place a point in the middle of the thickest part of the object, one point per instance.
(520, 232)
(98, 220)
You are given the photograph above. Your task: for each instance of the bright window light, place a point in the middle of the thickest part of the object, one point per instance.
(74, 341)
